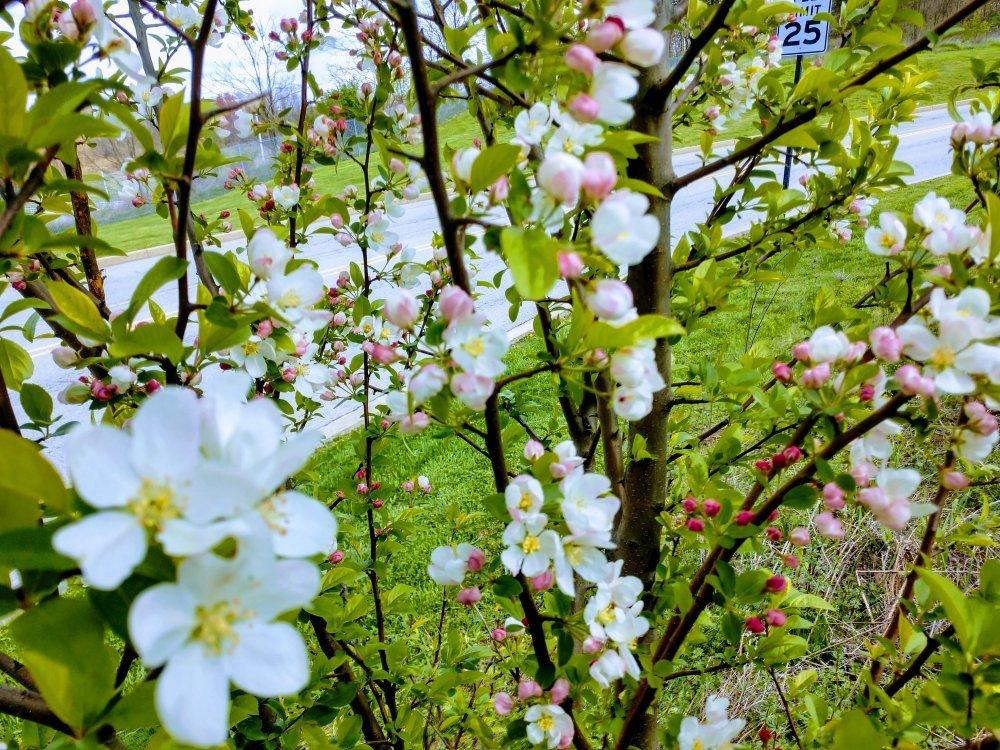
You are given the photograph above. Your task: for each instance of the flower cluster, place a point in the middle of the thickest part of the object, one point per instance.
(936, 228)
(187, 475)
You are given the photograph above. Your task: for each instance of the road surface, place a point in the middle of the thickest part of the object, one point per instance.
(924, 144)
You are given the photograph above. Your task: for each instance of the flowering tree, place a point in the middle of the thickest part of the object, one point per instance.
(184, 585)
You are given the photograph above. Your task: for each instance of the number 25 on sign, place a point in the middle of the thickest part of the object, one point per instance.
(806, 35)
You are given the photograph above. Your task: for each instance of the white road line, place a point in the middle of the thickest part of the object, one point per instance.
(38, 351)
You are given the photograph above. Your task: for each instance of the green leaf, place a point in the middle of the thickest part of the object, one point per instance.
(953, 600)
(492, 163)
(506, 586)
(170, 110)
(855, 731)
(993, 207)
(20, 305)
(13, 96)
(605, 336)
(36, 402)
(166, 269)
(222, 268)
(137, 710)
(30, 548)
(68, 128)
(151, 338)
(531, 256)
(15, 364)
(62, 644)
(802, 497)
(76, 306)
(26, 479)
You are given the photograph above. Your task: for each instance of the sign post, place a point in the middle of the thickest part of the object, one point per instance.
(803, 36)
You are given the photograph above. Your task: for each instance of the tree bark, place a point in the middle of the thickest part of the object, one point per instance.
(637, 533)
(645, 480)
(85, 228)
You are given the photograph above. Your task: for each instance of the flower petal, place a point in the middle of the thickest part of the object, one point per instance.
(159, 622)
(299, 525)
(268, 660)
(192, 697)
(97, 459)
(107, 545)
(166, 434)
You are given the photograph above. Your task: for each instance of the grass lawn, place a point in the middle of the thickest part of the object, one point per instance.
(951, 65)
(461, 476)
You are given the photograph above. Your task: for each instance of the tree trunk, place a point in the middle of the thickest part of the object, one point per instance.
(638, 533)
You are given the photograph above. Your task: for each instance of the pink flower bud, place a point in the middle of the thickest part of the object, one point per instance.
(874, 498)
(775, 618)
(696, 525)
(498, 634)
(599, 175)
(152, 386)
(954, 480)
(584, 107)
(833, 496)
(828, 525)
(455, 303)
(561, 176)
(609, 299)
(743, 518)
(469, 596)
(476, 560)
(406, 485)
(559, 690)
(528, 689)
(792, 454)
(799, 536)
(543, 581)
(570, 264)
(772, 533)
(816, 376)
(503, 704)
(605, 35)
(776, 584)
(499, 190)
(592, 645)
(862, 473)
(401, 308)
(802, 351)
(335, 557)
(886, 344)
(781, 371)
(764, 465)
(790, 560)
(396, 165)
(754, 625)
(643, 47)
(533, 450)
(581, 58)
(981, 420)
(711, 507)
(336, 221)
(690, 504)
(866, 392)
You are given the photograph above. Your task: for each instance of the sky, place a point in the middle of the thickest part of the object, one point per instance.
(267, 13)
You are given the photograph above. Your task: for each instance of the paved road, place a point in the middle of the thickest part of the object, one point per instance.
(924, 143)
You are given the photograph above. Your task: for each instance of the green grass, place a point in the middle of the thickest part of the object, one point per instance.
(951, 65)
(461, 476)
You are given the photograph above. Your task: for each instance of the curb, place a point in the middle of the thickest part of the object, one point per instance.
(157, 250)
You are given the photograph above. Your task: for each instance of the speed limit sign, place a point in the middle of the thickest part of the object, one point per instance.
(805, 35)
